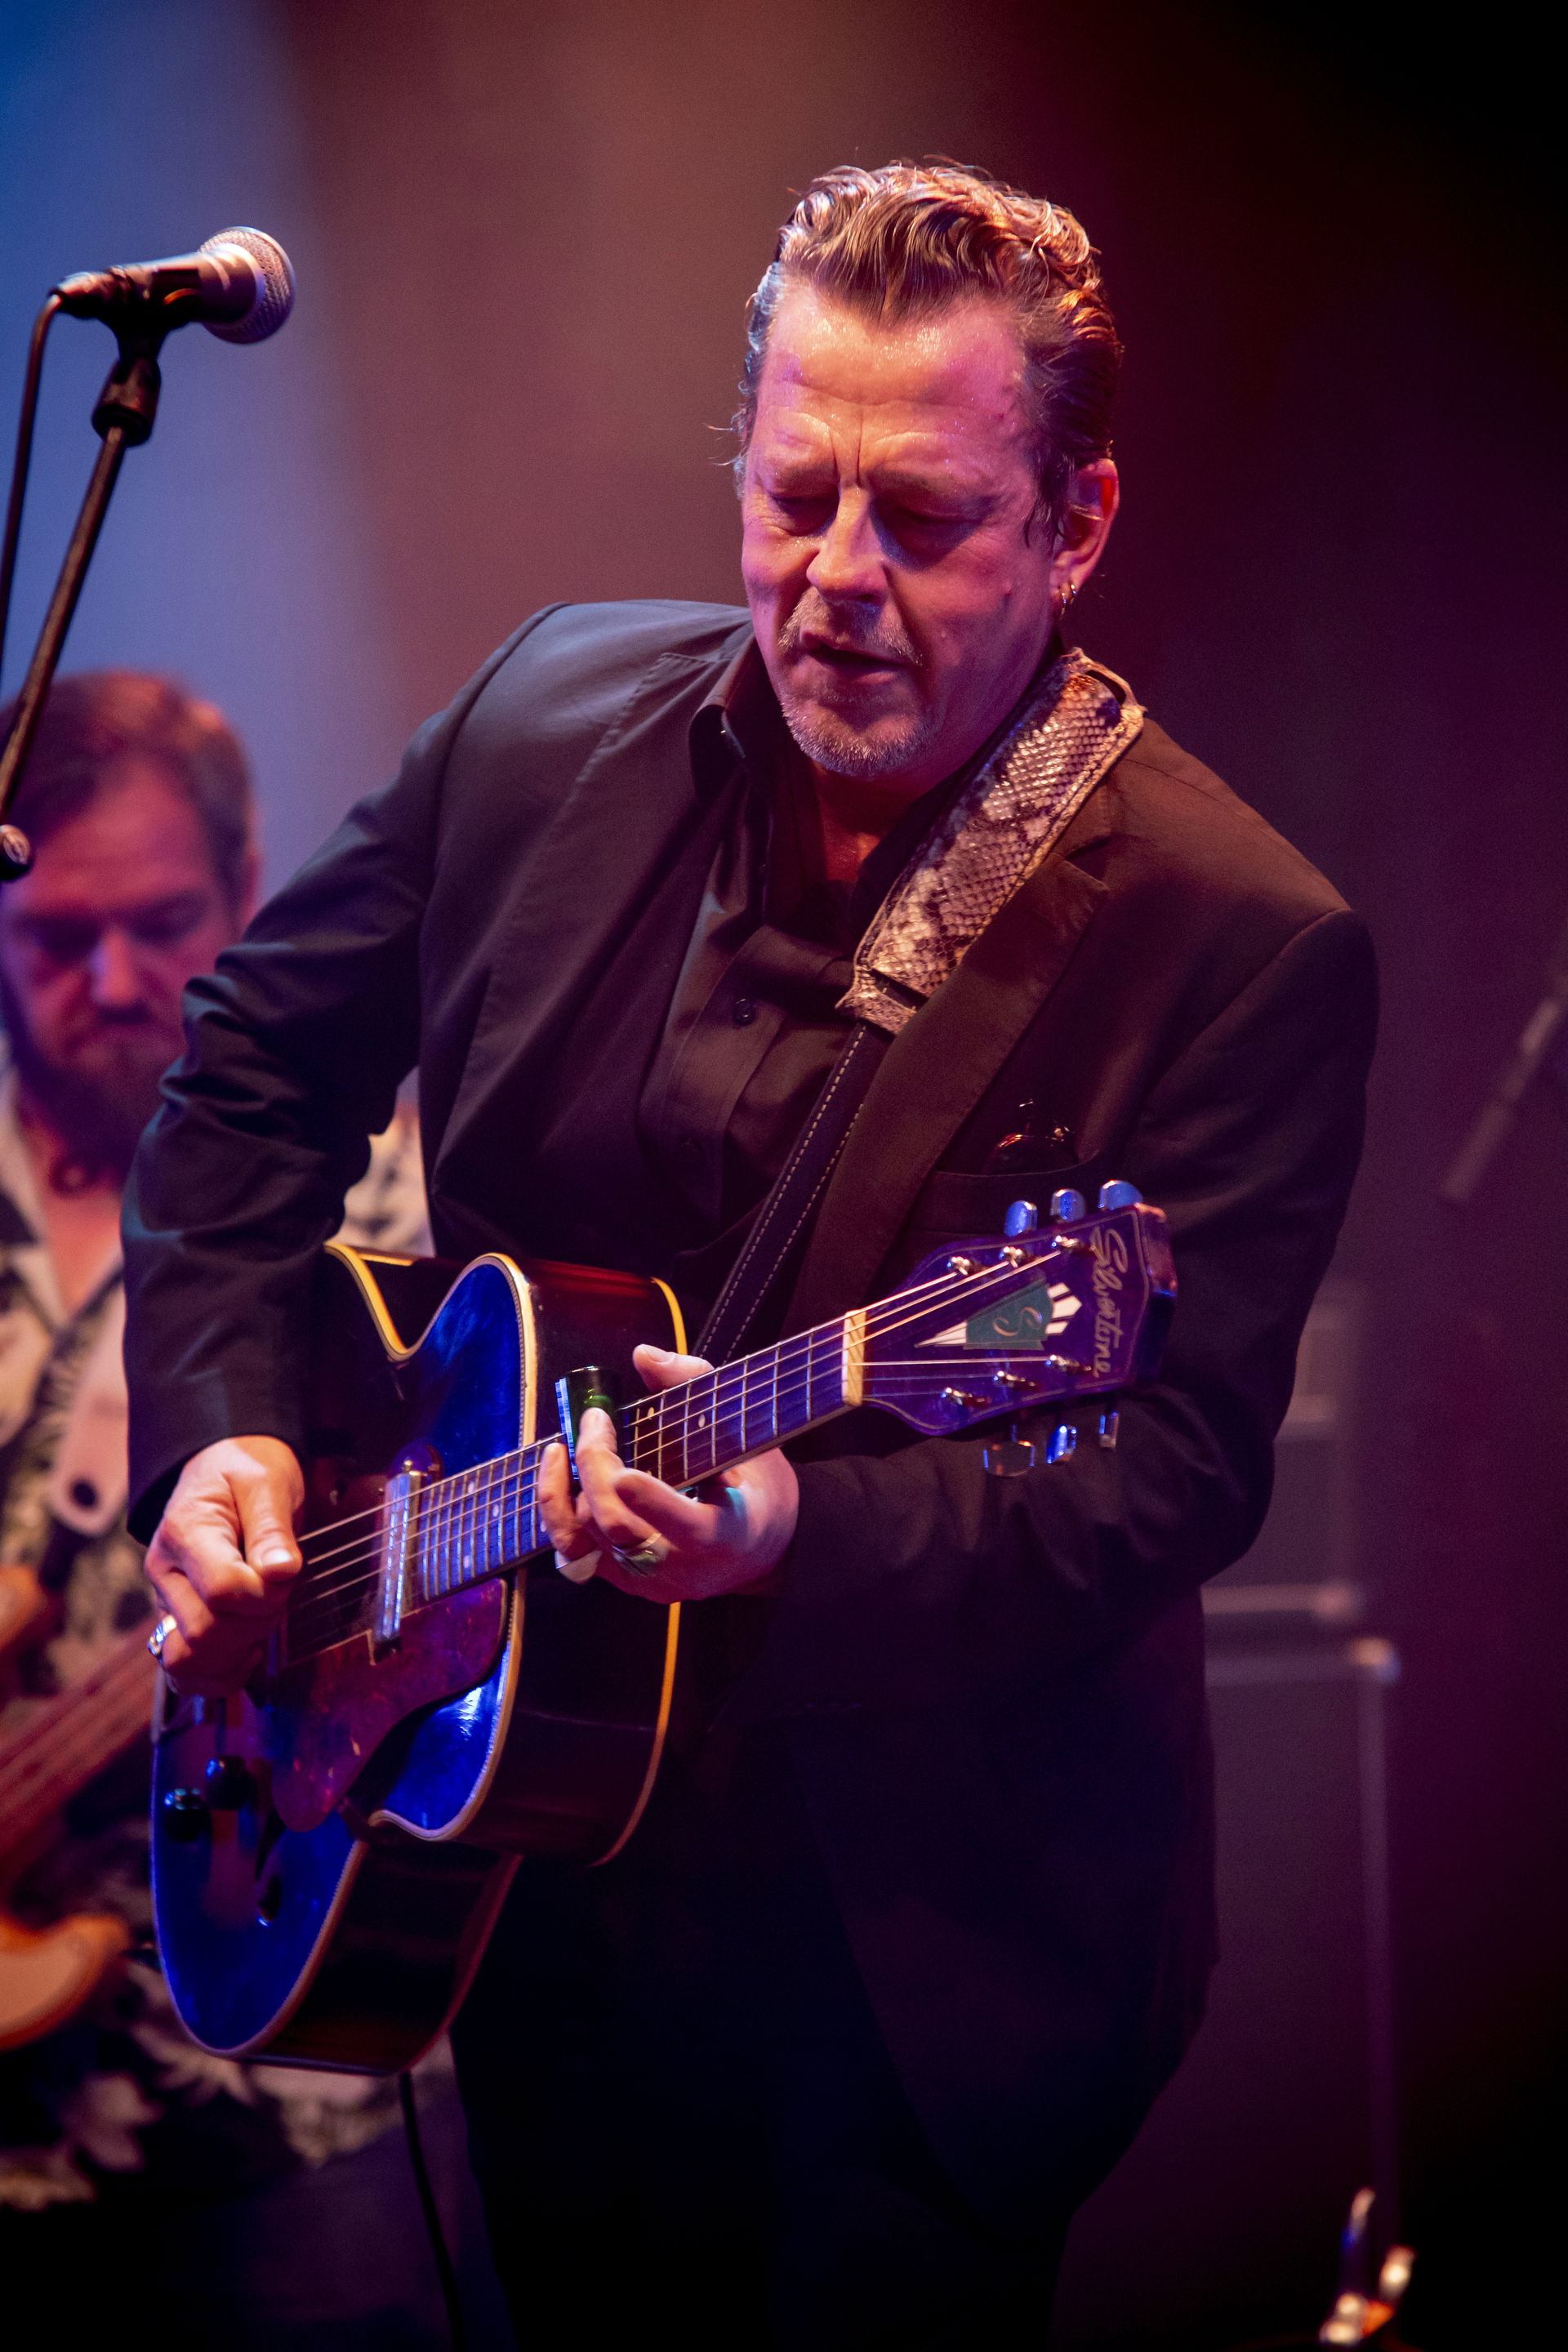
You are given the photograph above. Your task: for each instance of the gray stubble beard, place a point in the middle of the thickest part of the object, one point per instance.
(834, 744)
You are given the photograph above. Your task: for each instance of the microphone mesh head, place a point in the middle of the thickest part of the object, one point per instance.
(275, 286)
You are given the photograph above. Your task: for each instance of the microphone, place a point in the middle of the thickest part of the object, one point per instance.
(239, 285)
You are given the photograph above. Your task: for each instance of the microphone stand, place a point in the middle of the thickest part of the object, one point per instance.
(123, 419)
(1518, 1073)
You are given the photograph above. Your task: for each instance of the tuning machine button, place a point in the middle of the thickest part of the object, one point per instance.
(1022, 1217)
(1067, 1206)
(1118, 1194)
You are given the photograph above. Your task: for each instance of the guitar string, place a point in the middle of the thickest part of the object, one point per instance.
(899, 1299)
(40, 1753)
(724, 1375)
(522, 1465)
(515, 1494)
(64, 1707)
(85, 1755)
(521, 1469)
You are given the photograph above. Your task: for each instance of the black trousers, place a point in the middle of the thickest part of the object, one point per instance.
(680, 2104)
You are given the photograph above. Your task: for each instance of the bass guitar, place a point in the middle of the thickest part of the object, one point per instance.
(330, 1849)
(46, 1973)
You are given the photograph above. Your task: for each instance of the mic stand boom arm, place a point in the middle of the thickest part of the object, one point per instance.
(1537, 1039)
(123, 419)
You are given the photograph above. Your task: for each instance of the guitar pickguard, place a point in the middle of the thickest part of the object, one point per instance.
(327, 1718)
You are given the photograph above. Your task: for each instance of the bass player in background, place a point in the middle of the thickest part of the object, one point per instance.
(139, 803)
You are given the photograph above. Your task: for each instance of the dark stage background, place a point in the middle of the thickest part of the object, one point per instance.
(524, 237)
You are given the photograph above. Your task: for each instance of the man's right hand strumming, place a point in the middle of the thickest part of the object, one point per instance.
(223, 1558)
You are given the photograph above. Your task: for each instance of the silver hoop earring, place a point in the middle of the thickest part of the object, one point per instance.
(1068, 592)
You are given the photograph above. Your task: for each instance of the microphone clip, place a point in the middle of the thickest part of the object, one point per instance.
(131, 389)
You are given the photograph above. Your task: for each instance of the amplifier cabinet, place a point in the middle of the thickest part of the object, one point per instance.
(1222, 2221)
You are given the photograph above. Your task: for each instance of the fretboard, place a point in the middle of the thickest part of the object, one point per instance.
(483, 1522)
(478, 1523)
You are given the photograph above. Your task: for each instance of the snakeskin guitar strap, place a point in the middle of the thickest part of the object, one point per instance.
(1001, 825)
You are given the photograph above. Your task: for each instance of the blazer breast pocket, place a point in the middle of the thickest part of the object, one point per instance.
(950, 1205)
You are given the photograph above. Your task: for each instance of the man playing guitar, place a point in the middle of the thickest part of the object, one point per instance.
(918, 1917)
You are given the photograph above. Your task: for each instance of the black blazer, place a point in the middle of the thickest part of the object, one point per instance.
(994, 1687)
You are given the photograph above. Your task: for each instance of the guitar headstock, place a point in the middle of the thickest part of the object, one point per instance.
(1075, 1306)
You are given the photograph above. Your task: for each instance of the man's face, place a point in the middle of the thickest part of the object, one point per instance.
(900, 599)
(121, 909)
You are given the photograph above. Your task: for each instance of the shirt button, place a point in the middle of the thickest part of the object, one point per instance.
(744, 1011)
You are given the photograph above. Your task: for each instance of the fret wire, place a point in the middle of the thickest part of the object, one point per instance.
(437, 1505)
(710, 1424)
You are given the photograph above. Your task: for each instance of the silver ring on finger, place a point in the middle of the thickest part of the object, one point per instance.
(642, 1559)
(158, 1636)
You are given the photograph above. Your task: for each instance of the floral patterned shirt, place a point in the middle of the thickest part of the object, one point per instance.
(119, 2087)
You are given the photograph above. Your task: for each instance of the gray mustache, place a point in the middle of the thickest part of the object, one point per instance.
(818, 620)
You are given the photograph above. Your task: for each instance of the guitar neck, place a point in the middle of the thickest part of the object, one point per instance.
(53, 1755)
(484, 1521)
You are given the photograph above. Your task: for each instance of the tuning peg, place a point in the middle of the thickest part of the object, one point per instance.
(1118, 1194)
(1022, 1217)
(1063, 1443)
(1067, 1206)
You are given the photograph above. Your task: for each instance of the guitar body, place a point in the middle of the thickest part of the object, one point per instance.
(329, 1850)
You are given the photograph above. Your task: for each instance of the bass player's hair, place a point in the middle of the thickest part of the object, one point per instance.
(94, 719)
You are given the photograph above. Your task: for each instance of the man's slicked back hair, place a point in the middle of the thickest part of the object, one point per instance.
(94, 719)
(909, 238)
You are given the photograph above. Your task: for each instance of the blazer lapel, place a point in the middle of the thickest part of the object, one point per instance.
(934, 1073)
(573, 900)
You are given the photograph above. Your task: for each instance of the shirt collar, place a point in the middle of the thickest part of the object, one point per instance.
(23, 1229)
(739, 723)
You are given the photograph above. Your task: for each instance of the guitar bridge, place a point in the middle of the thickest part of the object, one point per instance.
(399, 1521)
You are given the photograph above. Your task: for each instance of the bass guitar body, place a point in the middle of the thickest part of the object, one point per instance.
(330, 1849)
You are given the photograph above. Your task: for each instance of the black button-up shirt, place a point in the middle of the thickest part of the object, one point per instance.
(753, 1026)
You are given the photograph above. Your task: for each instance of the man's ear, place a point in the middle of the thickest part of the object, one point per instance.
(1093, 502)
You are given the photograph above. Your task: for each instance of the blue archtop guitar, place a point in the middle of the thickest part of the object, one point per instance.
(330, 1849)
